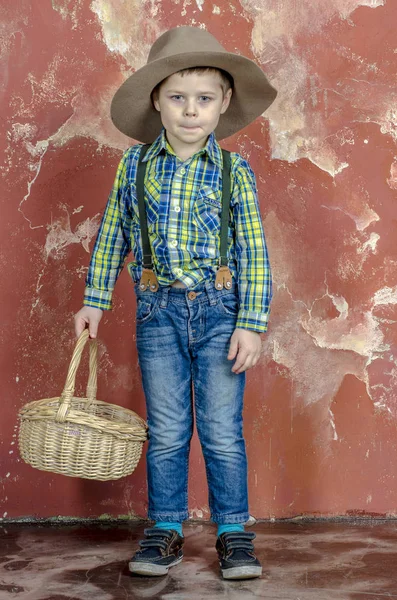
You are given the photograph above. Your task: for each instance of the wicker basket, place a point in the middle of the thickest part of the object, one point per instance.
(81, 437)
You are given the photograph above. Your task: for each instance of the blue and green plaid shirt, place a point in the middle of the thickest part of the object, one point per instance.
(183, 206)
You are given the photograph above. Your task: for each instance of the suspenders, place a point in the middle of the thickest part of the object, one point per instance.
(149, 280)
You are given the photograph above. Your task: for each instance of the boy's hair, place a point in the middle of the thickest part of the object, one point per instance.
(226, 79)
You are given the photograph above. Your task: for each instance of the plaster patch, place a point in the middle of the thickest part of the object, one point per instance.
(332, 421)
(370, 244)
(316, 372)
(392, 181)
(47, 89)
(275, 18)
(362, 220)
(60, 235)
(38, 150)
(88, 120)
(127, 29)
(389, 122)
(359, 333)
(318, 352)
(299, 126)
(341, 305)
(68, 9)
(386, 295)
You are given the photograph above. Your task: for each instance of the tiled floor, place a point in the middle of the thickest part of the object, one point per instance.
(301, 561)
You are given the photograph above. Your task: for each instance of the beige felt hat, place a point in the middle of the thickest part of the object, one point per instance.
(181, 48)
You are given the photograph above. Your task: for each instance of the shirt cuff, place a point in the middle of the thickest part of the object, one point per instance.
(97, 298)
(254, 321)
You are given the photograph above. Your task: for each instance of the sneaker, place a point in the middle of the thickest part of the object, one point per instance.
(236, 555)
(161, 550)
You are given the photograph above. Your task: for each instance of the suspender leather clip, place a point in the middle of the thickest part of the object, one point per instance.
(148, 280)
(223, 278)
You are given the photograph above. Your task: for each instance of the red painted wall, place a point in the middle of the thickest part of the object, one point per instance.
(320, 418)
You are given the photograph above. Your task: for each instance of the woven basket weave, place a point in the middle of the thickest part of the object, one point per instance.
(81, 437)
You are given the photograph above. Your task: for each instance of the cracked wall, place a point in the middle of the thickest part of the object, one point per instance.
(321, 408)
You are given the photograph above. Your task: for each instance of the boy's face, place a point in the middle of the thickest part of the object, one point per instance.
(190, 107)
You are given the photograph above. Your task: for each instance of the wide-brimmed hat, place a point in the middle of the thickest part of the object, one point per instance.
(181, 48)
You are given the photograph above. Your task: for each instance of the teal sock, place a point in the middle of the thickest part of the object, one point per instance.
(168, 525)
(230, 527)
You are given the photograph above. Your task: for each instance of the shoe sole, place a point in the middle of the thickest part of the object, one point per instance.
(151, 570)
(241, 572)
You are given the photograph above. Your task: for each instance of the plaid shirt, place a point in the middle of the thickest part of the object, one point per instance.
(183, 206)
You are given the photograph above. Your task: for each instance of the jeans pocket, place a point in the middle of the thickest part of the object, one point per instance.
(229, 304)
(146, 308)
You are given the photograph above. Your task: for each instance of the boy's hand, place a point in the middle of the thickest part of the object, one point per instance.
(90, 316)
(246, 345)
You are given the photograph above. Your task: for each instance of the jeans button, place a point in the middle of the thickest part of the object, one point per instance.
(192, 295)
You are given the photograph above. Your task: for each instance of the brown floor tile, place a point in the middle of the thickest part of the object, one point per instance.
(301, 561)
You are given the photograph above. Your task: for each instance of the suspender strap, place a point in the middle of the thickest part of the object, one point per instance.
(148, 279)
(223, 278)
(225, 207)
(140, 191)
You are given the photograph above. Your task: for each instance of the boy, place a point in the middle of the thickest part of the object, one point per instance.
(201, 301)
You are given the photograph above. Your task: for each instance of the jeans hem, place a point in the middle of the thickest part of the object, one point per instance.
(176, 517)
(229, 519)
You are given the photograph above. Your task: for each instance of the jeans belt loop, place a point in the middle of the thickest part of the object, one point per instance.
(164, 296)
(211, 292)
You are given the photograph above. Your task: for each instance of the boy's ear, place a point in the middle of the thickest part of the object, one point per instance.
(155, 101)
(226, 100)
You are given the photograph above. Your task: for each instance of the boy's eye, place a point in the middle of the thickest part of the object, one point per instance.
(205, 98)
(176, 97)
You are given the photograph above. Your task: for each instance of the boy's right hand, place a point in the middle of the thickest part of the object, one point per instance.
(90, 316)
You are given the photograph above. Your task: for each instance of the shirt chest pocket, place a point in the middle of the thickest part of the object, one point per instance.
(207, 209)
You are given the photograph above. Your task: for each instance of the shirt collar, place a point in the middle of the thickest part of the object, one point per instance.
(212, 149)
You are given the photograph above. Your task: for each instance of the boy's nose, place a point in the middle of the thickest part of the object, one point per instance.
(190, 109)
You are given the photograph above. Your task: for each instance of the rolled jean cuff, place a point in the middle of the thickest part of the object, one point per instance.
(174, 517)
(228, 519)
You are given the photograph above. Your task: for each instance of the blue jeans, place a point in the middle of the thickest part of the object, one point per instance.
(183, 341)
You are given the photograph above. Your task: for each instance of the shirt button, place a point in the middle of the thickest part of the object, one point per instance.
(173, 243)
(177, 209)
(178, 272)
(182, 171)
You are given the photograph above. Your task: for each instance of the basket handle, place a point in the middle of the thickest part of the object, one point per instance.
(68, 390)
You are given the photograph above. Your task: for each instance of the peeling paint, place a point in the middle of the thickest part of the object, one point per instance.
(386, 295)
(122, 27)
(60, 235)
(362, 220)
(296, 131)
(392, 181)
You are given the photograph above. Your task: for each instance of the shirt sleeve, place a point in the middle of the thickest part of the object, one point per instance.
(112, 244)
(253, 267)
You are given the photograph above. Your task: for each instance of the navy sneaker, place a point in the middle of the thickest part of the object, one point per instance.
(236, 555)
(161, 550)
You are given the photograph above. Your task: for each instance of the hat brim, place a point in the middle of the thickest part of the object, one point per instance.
(133, 114)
